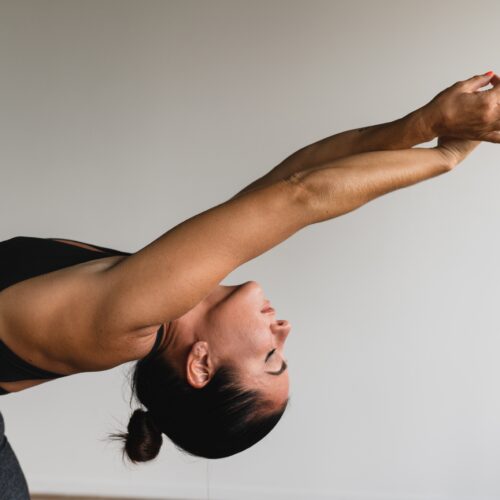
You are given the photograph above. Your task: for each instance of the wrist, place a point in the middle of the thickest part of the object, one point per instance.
(425, 123)
(449, 155)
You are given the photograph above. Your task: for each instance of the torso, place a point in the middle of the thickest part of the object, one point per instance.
(41, 344)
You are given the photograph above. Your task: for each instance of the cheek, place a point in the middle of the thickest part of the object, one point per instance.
(250, 344)
(237, 321)
(251, 339)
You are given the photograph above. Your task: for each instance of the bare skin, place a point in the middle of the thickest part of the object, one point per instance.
(36, 345)
(232, 326)
(36, 319)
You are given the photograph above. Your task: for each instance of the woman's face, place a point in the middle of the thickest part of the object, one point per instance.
(231, 326)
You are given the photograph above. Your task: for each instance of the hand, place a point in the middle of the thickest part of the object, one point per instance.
(462, 111)
(455, 149)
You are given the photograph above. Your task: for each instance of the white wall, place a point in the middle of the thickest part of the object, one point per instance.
(120, 119)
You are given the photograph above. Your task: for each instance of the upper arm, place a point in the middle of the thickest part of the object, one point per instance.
(169, 276)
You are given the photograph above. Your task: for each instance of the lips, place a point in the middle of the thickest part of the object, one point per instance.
(267, 307)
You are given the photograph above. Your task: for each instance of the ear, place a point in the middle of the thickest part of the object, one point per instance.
(199, 366)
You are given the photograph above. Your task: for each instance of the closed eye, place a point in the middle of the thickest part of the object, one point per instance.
(284, 365)
(269, 354)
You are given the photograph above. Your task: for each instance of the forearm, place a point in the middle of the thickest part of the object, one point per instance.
(348, 183)
(414, 128)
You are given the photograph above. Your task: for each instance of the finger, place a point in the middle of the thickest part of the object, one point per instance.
(495, 80)
(476, 82)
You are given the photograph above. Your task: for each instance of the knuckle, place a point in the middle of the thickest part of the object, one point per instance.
(487, 117)
(488, 110)
(447, 119)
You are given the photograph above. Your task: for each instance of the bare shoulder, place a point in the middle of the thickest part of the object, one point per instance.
(48, 321)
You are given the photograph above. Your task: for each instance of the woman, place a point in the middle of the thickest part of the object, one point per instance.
(211, 369)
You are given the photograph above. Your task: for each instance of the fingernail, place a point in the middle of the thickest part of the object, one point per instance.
(489, 73)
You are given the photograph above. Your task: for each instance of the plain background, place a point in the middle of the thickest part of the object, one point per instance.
(121, 119)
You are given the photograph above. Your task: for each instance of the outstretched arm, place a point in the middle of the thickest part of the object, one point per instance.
(459, 111)
(172, 274)
(344, 185)
(414, 128)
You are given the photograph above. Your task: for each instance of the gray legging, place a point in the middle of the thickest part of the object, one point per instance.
(13, 484)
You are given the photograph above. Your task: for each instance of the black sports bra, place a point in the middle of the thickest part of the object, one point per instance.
(24, 257)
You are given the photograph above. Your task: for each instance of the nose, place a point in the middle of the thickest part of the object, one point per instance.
(281, 328)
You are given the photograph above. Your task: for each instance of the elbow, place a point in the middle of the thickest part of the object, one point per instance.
(304, 195)
(299, 187)
(329, 192)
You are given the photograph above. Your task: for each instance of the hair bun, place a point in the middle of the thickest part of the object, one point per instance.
(144, 439)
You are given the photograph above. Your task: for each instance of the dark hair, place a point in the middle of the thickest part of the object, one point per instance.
(216, 421)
